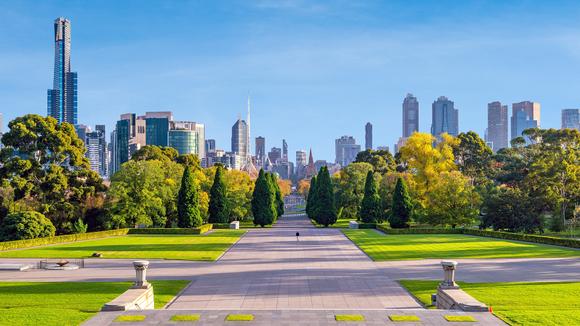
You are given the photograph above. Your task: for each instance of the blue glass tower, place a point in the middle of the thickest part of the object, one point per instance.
(62, 99)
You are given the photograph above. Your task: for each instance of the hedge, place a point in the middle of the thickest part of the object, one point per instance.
(18, 244)
(221, 225)
(200, 230)
(573, 243)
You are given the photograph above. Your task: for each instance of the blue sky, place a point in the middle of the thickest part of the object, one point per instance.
(316, 70)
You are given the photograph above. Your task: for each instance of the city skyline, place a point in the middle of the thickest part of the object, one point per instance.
(115, 70)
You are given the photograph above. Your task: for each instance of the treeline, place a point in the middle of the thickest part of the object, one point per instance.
(48, 188)
(459, 181)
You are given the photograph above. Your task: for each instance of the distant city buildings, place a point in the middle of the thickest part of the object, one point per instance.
(240, 144)
(210, 146)
(96, 144)
(62, 99)
(497, 126)
(410, 115)
(346, 150)
(570, 119)
(368, 136)
(157, 128)
(260, 150)
(445, 118)
(525, 115)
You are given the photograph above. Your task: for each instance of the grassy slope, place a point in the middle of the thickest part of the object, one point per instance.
(156, 246)
(517, 303)
(421, 246)
(28, 303)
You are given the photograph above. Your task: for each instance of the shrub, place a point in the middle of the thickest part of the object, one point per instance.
(26, 225)
(200, 230)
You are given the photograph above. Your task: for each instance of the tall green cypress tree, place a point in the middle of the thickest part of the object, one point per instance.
(279, 199)
(371, 204)
(310, 200)
(325, 212)
(270, 177)
(188, 212)
(262, 208)
(218, 210)
(402, 206)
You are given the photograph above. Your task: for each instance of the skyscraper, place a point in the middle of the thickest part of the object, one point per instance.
(410, 115)
(525, 115)
(209, 146)
(497, 125)
(275, 155)
(346, 150)
(301, 158)
(192, 132)
(62, 101)
(570, 119)
(284, 150)
(445, 118)
(240, 138)
(368, 136)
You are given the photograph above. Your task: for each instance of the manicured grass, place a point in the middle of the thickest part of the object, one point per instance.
(517, 303)
(460, 319)
(380, 246)
(404, 318)
(129, 318)
(143, 246)
(194, 317)
(233, 317)
(349, 318)
(36, 303)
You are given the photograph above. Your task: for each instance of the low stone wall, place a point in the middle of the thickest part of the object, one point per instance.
(132, 299)
(457, 299)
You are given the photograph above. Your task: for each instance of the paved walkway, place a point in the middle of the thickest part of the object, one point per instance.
(272, 269)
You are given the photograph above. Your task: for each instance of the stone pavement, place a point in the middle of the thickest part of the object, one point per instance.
(296, 317)
(272, 269)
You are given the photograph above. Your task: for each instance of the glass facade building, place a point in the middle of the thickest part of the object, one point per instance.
(497, 126)
(410, 115)
(62, 99)
(184, 141)
(571, 119)
(445, 118)
(525, 115)
(157, 131)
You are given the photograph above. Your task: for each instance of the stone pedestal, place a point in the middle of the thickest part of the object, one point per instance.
(353, 225)
(449, 267)
(141, 274)
(235, 225)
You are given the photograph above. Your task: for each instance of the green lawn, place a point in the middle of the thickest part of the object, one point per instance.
(139, 246)
(422, 246)
(517, 303)
(29, 303)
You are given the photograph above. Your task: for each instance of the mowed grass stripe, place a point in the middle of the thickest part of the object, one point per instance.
(139, 246)
(381, 246)
(518, 303)
(59, 303)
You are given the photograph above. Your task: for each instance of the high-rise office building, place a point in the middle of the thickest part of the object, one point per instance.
(240, 144)
(570, 119)
(497, 126)
(368, 136)
(210, 146)
(284, 150)
(346, 150)
(445, 118)
(62, 99)
(260, 149)
(157, 128)
(525, 115)
(184, 141)
(410, 115)
(195, 127)
(301, 158)
(96, 145)
(275, 155)
(82, 131)
(122, 137)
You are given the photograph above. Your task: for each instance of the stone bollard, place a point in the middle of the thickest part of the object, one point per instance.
(449, 267)
(141, 275)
